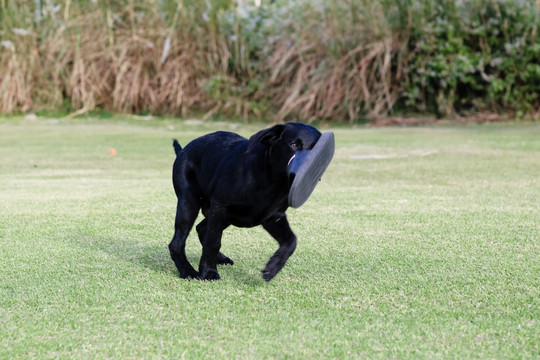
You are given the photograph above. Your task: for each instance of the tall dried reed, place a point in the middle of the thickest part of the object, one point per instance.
(19, 59)
(115, 60)
(342, 61)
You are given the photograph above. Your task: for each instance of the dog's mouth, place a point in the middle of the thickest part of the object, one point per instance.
(306, 167)
(291, 174)
(292, 157)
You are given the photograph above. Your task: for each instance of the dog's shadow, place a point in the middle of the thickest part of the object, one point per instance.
(156, 258)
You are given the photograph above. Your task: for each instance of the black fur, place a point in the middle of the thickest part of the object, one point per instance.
(235, 181)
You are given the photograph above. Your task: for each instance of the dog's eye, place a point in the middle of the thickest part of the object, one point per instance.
(297, 145)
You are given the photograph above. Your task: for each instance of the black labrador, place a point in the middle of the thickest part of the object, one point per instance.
(235, 181)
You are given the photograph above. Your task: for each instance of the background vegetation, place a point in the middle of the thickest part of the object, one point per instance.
(344, 60)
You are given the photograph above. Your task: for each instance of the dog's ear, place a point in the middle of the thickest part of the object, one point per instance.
(266, 137)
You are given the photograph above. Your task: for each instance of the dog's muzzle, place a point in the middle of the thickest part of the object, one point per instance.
(306, 167)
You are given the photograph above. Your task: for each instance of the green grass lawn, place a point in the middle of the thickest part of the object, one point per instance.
(418, 243)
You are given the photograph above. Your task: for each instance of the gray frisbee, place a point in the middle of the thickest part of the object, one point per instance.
(307, 167)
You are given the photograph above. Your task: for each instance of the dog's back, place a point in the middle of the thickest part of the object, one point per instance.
(203, 161)
(207, 145)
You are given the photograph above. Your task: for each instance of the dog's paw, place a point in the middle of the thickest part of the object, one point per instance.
(210, 274)
(224, 260)
(268, 274)
(189, 275)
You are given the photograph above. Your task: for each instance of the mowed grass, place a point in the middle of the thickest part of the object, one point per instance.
(418, 243)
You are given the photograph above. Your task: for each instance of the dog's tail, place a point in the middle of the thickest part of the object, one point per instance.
(177, 147)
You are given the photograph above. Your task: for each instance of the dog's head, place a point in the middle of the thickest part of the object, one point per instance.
(282, 141)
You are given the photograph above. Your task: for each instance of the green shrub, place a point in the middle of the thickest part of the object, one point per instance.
(475, 56)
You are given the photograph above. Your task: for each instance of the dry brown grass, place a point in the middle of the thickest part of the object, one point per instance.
(323, 87)
(341, 66)
(114, 60)
(95, 61)
(19, 67)
(15, 87)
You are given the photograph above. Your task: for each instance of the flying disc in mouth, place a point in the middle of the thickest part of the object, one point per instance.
(306, 168)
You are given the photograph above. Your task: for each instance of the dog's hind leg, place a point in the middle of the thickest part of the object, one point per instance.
(280, 230)
(201, 230)
(186, 213)
(210, 248)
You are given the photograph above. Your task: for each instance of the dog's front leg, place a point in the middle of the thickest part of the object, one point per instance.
(279, 228)
(210, 250)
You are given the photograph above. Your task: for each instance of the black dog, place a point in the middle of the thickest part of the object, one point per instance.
(237, 182)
